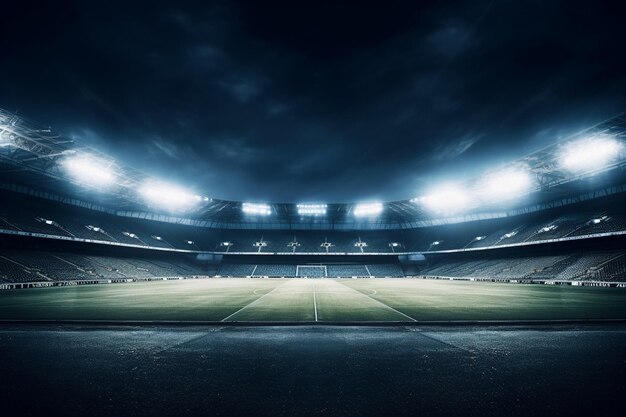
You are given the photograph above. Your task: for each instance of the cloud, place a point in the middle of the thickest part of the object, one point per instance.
(455, 148)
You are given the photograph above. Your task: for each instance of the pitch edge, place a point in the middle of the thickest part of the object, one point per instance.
(174, 323)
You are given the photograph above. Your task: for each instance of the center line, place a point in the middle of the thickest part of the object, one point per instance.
(314, 300)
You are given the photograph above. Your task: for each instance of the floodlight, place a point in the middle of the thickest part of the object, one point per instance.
(311, 209)
(157, 237)
(90, 170)
(368, 209)
(6, 138)
(435, 243)
(168, 196)
(256, 208)
(190, 242)
(599, 220)
(446, 199)
(547, 228)
(131, 235)
(591, 153)
(505, 185)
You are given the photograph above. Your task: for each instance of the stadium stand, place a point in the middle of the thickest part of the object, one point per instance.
(605, 266)
(33, 266)
(33, 218)
(32, 215)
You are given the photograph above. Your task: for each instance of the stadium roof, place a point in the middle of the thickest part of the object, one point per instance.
(35, 159)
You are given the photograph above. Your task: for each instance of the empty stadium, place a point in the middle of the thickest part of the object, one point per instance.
(224, 209)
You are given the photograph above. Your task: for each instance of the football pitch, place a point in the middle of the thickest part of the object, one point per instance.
(313, 300)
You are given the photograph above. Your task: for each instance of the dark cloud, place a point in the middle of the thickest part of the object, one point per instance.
(292, 101)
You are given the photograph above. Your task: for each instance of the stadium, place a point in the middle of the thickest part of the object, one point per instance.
(128, 287)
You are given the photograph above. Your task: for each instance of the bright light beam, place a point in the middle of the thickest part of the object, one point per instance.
(446, 199)
(590, 154)
(256, 209)
(504, 185)
(368, 209)
(89, 170)
(311, 209)
(168, 196)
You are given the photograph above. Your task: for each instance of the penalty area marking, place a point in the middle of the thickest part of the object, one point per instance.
(255, 301)
(378, 302)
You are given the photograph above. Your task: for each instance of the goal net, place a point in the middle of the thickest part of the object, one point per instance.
(311, 271)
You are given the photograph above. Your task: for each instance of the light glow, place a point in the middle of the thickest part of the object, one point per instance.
(446, 199)
(89, 170)
(505, 185)
(590, 154)
(169, 196)
(311, 209)
(368, 209)
(256, 209)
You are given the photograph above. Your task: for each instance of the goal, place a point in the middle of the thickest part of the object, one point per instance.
(311, 271)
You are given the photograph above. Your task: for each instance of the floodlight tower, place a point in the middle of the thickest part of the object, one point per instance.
(293, 245)
(326, 245)
(260, 245)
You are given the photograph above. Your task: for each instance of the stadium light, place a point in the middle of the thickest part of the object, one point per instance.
(509, 235)
(311, 209)
(598, 220)
(505, 185)
(169, 196)
(446, 199)
(590, 154)
(548, 228)
(256, 209)
(368, 209)
(6, 138)
(89, 170)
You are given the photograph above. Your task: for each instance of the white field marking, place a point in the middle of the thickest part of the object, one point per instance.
(376, 301)
(314, 300)
(255, 301)
(374, 292)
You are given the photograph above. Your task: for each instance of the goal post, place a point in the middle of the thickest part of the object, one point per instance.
(311, 271)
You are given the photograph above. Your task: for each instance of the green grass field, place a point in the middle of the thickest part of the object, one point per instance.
(331, 300)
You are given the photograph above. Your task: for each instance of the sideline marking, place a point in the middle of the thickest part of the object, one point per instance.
(376, 301)
(314, 300)
(255, 301)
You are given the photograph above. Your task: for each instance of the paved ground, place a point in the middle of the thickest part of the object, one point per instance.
(313, 371)
(308, 300)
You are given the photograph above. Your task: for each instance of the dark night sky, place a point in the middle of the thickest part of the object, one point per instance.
(311, 101)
